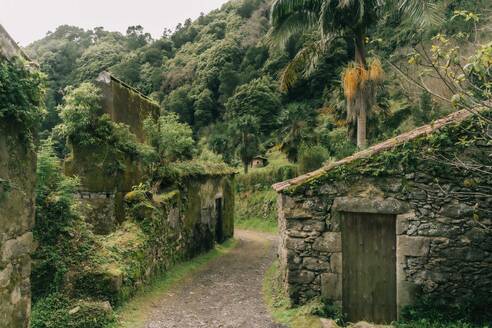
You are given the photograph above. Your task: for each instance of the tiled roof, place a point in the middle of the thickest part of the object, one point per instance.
(373, 150)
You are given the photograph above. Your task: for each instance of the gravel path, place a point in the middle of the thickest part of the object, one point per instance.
(225, 294)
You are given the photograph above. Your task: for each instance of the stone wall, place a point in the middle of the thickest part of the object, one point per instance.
(17, 203)
(444, 244)
(126, 105)
(8, 47)
(160, 229)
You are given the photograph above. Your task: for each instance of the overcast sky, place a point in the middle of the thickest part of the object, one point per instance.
(29, 20)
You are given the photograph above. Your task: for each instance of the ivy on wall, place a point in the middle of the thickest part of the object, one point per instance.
(21, 96)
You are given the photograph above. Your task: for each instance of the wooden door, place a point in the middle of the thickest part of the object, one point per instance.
(369, 267)
(219, 224)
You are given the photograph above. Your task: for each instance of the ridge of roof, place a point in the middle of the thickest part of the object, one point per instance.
(391, 143)
(104, 75)
(15, 49)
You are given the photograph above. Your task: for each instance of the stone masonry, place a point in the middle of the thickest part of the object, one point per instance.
(444, 244)
(17, 203)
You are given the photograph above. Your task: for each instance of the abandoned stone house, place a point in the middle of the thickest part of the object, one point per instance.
(17, 201)
(259, 161)
(406, 218)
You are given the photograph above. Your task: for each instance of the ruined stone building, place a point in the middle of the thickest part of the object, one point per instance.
(17, 200)
(404, 219)
(184, 216)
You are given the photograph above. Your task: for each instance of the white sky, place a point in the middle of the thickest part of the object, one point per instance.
(29, 20)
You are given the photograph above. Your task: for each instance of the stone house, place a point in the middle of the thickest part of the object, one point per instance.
(259, 161)
(17, 204)
(407, 218)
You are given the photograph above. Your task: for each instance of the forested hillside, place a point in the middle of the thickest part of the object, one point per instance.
(221, 73)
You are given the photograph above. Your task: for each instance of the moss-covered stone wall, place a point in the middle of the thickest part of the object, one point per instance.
(17, 203)
(161, 228)
(125, 104)
(104, 172)
(438, 187)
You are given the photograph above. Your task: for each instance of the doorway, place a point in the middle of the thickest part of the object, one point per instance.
(369, 267)
(219, 223)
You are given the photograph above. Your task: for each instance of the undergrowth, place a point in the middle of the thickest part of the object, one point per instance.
(280, 307)
(257, 210)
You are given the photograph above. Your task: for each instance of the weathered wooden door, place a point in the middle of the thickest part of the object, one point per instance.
(369, 267)
(219, 225)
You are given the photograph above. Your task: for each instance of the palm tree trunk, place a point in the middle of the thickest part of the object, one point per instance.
(361, 101)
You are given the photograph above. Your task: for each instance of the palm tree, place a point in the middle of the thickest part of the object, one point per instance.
(350, 19)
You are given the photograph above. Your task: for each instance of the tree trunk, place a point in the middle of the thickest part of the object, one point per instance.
(246, 167)
(361, 101)
(362, 122)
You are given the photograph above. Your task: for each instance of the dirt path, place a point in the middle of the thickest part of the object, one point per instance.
(225, 294)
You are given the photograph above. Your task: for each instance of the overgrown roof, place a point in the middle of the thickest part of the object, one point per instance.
(9, 48)
(376, 149)
(107, 77)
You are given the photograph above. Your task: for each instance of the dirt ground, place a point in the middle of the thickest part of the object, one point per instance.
(225, 294)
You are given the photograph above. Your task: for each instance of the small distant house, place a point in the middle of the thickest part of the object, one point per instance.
(406, 218)
(259, 161)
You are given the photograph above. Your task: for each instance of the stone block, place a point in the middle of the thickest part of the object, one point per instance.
(329, 242)
(413, 246)
(370, 205)
(315, 264)
(456, 210)
(297, 213)
(5, 275)
(331, 286)
(18, 247)
(402, 222)
(297, 244)
(300, 277)
(336, 262)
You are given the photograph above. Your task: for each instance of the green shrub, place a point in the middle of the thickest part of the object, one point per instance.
(431, 312)
(21, 96)
(84, 123)
(265, 177)
(312, 158)
(338, 143)
(59, 311)
(63, 237)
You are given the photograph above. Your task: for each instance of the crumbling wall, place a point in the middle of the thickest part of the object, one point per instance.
(160, 229)
(125, 104)
(444, 245)
(17, 203)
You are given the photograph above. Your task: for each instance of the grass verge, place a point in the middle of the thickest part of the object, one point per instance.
(134, 313)
(257, 224)
(279, 305)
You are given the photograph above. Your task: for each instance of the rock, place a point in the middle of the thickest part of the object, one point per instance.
(331, 286)
(329, 242)
(300, 277)
(74, 310)
(5, 276)
(328, 323)
(314, 264)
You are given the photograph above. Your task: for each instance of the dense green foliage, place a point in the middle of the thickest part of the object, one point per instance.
(21, 96)
(84, 124)
(57, 310)
(218, 74)
(63, 237)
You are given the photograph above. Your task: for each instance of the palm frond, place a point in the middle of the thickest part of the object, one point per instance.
(289, 17)
(422, 13)
(303, 64)
(291, 25)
